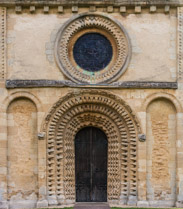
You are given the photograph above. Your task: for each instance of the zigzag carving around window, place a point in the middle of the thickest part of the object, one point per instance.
(116, 119)
(112, 30)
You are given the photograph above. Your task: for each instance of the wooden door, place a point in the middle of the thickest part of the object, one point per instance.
(91, 165)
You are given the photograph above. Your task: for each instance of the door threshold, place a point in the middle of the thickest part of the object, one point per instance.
(91, 205)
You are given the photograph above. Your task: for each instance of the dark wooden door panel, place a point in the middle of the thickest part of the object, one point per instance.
(91, 165)
(99, 166)
(83, 168)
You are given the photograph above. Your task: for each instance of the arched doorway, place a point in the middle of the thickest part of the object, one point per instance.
(91, 108)
(91, 147)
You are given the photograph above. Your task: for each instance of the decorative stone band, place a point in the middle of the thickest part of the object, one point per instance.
(52, 3)
(86, 23)
(10, 84)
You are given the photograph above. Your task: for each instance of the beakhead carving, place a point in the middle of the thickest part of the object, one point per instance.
(107, 112)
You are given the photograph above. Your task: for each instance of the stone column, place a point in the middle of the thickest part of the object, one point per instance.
(179, 202)
(2, 43)
(179, 148)
(3, 162)
(42, 198)
(142, 202)
(3, 119)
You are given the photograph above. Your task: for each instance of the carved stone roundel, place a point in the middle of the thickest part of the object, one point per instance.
(99, 29)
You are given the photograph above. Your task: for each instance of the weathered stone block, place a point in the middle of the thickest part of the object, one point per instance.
(4, 204)
(122, 9)
(60, 9)
(143, 204)
(42, 204)
(138, 9)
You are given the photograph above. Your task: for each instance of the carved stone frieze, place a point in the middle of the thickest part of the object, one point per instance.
(92, 23)
(107, 112)
(96, 2)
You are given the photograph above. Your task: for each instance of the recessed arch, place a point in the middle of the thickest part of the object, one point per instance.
(22, 149)
(161, 128)
(159, 95)
(107, 112)
(21, 94)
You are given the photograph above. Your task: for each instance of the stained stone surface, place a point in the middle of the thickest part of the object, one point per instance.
(91, 206)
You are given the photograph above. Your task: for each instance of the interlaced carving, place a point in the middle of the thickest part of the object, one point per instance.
(2, 41)
(115, 118)
(180, 43)
(103, 23)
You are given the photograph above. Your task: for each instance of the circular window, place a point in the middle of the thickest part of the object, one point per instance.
(92, 49)
(92, 52)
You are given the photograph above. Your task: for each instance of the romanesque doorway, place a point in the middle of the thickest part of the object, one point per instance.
(72, 114)
(91, 147)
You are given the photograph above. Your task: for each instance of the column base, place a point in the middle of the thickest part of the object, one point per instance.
(132, 201)
(179, 204)
(16, 204)
(42, 204)
(4, 205)
(143, 203)
(161, 203)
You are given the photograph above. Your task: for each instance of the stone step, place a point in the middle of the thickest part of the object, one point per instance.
(91, 205)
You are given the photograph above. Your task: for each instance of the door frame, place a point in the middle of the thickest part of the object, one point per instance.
(91, 150)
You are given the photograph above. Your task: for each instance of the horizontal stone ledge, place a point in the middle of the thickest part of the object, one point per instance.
(10, 84)
(9, 3)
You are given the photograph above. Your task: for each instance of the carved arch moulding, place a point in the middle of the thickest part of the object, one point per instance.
(162, 95)
(107, 112)
(21, 94)
(107, 28)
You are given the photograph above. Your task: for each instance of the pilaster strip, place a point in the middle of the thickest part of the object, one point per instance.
(180, 43)
(2, 42)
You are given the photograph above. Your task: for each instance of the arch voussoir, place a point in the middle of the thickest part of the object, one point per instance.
(116, 119)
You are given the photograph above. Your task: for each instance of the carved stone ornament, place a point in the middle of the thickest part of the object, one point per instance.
(112, 115)
(142, 137)
(81, 25)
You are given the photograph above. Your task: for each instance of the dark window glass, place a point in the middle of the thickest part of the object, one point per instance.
(92, 52)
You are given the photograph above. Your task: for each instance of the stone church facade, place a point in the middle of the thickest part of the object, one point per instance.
(115, 67)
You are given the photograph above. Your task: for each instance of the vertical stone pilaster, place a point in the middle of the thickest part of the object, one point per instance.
(142, 166)
(180, 44)
(179, 147)
(42, 185)
(3, 121)
(3, 161)
(2, 42)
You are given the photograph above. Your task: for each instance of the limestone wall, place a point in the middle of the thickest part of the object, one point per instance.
(27, 52)
(31, 39)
